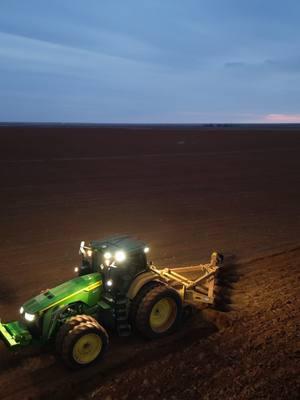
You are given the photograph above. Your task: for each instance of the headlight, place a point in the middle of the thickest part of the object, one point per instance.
(29, 317)
(120, 256)
(107, 255)
(21, 310)
(146, 250)
(109, 282)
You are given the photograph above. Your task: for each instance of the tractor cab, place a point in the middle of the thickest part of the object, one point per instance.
(119, 259)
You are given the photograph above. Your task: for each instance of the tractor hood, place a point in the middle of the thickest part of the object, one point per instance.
(65, 293)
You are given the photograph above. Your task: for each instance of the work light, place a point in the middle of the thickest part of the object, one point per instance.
(120, 256)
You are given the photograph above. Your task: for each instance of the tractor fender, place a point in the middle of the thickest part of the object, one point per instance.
(140, 281)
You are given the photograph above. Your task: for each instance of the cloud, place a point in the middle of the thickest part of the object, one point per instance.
(19, 47)
(292, 118)
(288, 65)
(235, 64)
(22, 55)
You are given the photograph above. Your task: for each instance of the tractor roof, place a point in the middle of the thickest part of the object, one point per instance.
(122, 242)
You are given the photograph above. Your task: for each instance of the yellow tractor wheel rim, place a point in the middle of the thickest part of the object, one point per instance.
(163, 315)
(87, 348)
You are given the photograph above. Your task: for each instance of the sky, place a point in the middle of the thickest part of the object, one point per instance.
(150, 61)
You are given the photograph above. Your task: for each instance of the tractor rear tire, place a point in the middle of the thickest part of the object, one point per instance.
(159, 312)
(67, 326)
(84, 344)
(138, 298)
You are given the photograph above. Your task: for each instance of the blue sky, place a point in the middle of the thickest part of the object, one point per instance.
(150, 61)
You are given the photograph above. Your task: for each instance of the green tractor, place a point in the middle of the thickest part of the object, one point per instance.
(116, 290)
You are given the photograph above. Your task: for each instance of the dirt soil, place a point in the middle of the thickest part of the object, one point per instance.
(185, 192)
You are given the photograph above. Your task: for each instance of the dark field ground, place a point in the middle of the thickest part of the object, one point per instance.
(185, 192)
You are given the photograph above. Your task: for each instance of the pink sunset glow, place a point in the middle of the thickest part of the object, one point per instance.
(282, 118)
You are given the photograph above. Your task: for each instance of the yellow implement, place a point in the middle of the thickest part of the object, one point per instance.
(194, 284)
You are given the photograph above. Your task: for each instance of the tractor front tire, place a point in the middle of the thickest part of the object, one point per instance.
(68, 325)
(159, 312)
(84, 344)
